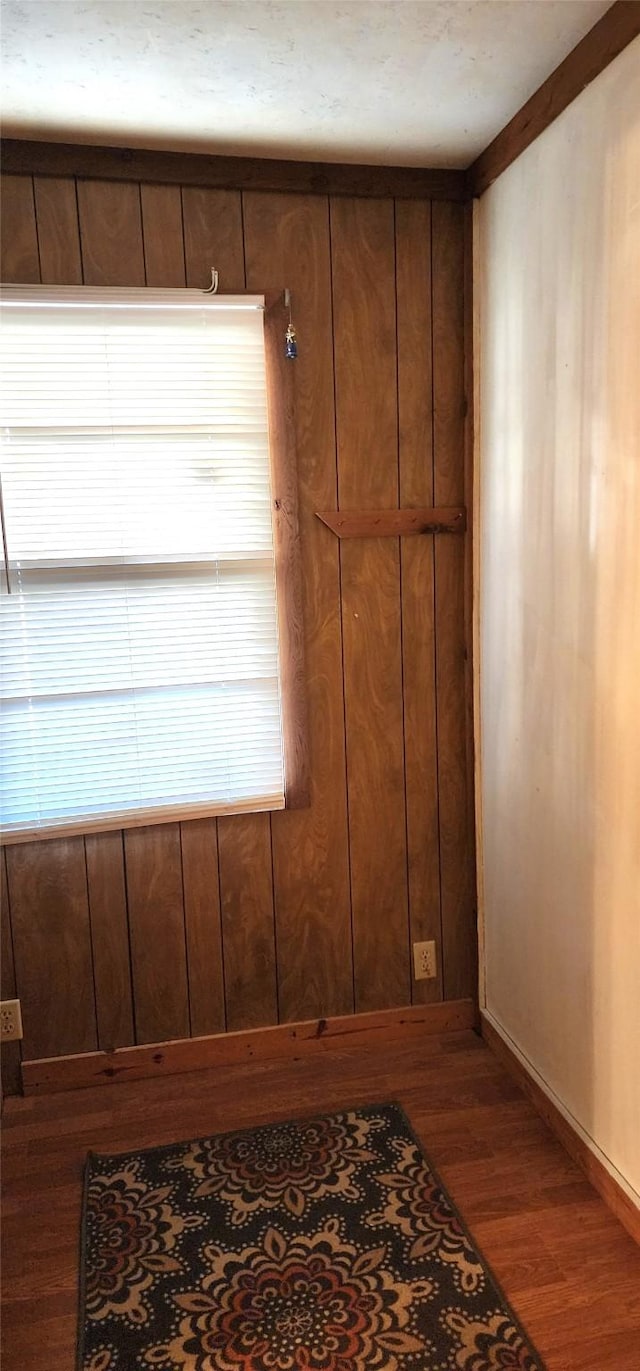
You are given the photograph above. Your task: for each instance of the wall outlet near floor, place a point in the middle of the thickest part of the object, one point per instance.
(10, 1021)
(425, 962)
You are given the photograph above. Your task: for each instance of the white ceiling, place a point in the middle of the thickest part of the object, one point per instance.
(409, 82)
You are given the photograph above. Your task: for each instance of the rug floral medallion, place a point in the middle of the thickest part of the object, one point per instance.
(326, 1244)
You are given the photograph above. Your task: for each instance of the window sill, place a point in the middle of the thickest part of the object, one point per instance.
(139, 819)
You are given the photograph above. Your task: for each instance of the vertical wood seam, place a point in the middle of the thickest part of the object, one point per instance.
(469, 498)
(435, 608)
(5, 864)
(344, 693)
(81, 245)
(32, 180)
(129, 943)
(184, 263)
(222, 957)
(276, 968)
(244, 245)
(75, 191)
(91, 947)
(184, 933)
(400, 611)
(143, 243)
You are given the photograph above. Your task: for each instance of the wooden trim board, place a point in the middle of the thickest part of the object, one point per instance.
(617, 1199)
(393, 523)
(288, 561)
(260, 1044)
(612, 33)
(26, 157)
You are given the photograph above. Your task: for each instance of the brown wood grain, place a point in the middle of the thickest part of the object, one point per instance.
(415, 431)
(58, 232)
(287, 554)
(203, 933)
(381, 1028)
(287, 243)
(619, 25)
(471, 418)
(161, 208)
(11, 1052)
(569, 1270)
(393, 523)
(110, 939)
(246, 895)
(156, 927)
(19, 260)
(456, 869)
(52, 946)
(213, 237)
(110, 233)
(363, 255)
(231, 173)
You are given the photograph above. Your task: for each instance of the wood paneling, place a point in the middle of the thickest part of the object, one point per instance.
(157, 932)
(52, 946)
(161, 208)
(363, 250)
(58, 232)
(11, 1052)
(202, 925)
(303, 914)
(415, 430)
(213, 237)
(246, 896)
(110, 233)
(19, 239)
(287, 242)
(110, 939)
(456, 865)
(232, 173)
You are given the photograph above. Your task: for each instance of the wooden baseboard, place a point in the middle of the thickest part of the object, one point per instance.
(260, 1044)
(608, 1188)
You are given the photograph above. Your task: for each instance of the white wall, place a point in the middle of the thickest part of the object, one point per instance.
(559, 609)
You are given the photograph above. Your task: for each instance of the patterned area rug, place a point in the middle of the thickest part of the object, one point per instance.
(326, 1244)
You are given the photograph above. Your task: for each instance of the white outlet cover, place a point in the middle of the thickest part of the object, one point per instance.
(425, 962)
(10, 1021)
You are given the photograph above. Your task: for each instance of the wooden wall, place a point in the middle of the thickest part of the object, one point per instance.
(206, 926)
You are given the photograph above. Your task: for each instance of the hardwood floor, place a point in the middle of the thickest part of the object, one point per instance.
(570, 1270)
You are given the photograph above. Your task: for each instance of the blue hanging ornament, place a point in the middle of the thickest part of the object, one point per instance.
(291, 348)
(291, 344)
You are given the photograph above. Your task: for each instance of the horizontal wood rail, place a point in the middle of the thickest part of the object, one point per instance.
(393, 523)
(31, 158)
(613, 1195)
(258, 1044)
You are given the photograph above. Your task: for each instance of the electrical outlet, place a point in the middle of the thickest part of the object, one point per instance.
(10, 1021)
(425, 962)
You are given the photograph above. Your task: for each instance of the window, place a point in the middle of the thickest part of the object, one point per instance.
(148, 633)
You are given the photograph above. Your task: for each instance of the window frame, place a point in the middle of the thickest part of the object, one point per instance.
(280, 394)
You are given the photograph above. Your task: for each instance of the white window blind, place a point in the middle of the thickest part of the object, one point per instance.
(139, 630)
